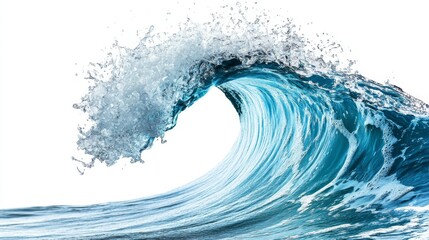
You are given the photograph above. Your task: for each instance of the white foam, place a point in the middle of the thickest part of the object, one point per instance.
(393, 229)
(135, 90)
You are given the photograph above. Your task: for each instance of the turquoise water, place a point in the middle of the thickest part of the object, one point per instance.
(323, 153)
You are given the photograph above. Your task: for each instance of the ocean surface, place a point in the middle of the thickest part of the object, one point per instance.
(323, 152)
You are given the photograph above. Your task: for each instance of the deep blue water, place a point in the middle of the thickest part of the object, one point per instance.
(322, 154)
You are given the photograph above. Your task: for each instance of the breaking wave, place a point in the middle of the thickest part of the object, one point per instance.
(323, 152)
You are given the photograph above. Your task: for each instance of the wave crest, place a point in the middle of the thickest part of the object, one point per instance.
(136, 94)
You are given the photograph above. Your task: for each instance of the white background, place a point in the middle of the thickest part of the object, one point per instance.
(43, 44)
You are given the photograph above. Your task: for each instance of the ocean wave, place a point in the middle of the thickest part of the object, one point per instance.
(323, 152)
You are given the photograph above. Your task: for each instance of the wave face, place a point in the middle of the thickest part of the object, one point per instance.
(322, 154)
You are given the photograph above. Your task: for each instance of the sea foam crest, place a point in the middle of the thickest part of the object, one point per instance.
(136, 94)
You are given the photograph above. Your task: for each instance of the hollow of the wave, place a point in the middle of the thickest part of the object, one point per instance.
(203, 136)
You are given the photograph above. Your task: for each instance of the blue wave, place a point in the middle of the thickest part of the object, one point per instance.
(322, 153)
